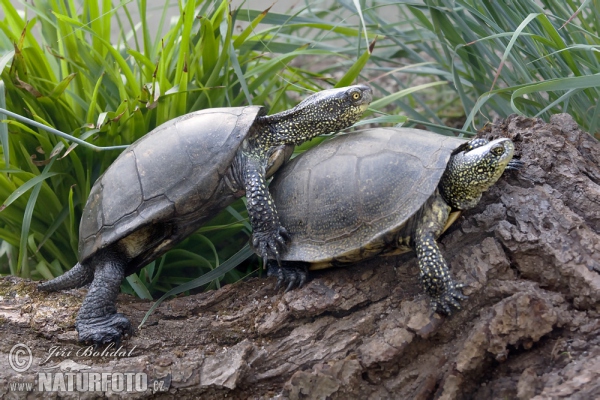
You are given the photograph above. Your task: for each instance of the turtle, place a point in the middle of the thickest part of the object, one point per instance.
(168, 183)
(382, 191)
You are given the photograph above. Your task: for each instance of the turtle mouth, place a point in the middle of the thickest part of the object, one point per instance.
(363, 107)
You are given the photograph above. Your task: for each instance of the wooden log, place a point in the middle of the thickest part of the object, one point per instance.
(529, 255)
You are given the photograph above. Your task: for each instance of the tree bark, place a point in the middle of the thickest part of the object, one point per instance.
(528, 254)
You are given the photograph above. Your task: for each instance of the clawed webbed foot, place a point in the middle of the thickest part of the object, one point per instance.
(447, 300)
(270, 245)
(291, 276)
(103, 330)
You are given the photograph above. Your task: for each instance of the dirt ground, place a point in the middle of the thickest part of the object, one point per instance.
(528, 254)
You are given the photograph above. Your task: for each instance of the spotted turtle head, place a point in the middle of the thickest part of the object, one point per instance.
(473, 168)
(324, 112)
(342, 105)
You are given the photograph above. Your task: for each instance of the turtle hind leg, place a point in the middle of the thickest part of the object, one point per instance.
(290, 274)
(77, 276)
(435, 276)
(98, 320)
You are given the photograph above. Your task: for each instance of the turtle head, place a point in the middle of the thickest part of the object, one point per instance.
(473, 168)
(342, 105)
(324, 112)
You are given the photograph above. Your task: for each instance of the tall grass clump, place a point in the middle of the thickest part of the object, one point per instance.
(59, 67)
(534, 58)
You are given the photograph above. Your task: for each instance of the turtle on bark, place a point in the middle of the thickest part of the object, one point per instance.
(169, 182)
(382, 191)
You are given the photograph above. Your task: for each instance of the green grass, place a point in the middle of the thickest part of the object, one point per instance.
(498, 57)
(113, 93)
(431, 62)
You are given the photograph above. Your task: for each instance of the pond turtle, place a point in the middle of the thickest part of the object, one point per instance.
(172, 180)
(382, 191)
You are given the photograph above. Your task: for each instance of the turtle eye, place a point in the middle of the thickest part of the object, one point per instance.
(356, 95)
(498, 150)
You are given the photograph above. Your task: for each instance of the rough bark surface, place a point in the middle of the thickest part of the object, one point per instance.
(529, 255)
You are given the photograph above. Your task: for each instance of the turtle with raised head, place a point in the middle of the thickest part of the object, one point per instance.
(168, 183)
(382, 191)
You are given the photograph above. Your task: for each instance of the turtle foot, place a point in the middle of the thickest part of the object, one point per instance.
(103, 330)
(291, 275)
(449, 299)
(270, 244)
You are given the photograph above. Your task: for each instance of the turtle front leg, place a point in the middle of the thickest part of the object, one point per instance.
(98, 320)
(434, 273)
(268, 236)
(435, 276)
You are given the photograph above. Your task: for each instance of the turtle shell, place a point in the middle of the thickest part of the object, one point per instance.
(165, 185)
(342, 200)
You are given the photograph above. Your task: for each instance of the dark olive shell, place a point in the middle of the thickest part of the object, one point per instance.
(165, 185)
(342, 198)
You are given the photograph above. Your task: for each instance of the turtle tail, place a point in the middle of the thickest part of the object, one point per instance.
(76, 277)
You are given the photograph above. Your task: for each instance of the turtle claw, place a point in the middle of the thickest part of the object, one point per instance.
(449, 299)
(297, 279)
(515, 164)
(292, 275)
(270, 245)
(101, 331)
(284, 235)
